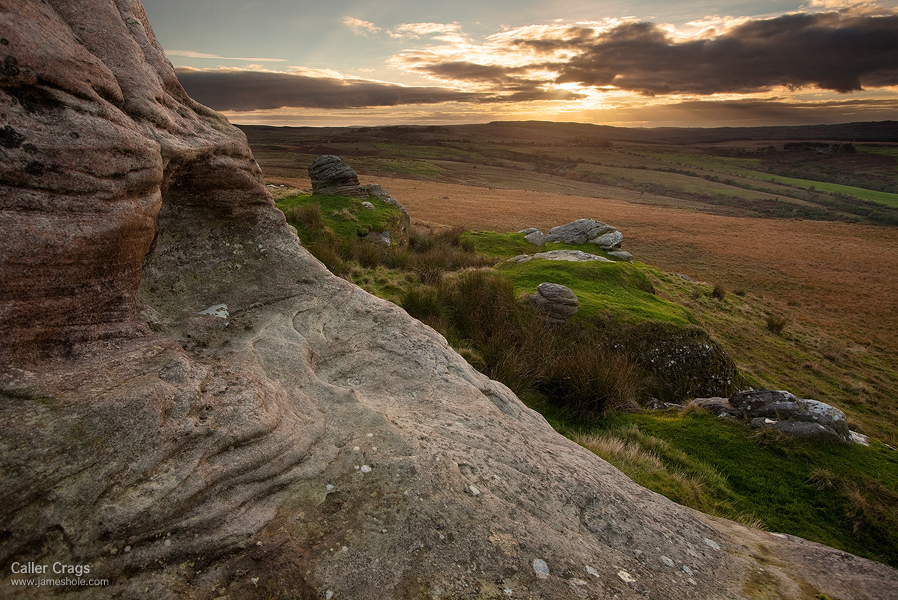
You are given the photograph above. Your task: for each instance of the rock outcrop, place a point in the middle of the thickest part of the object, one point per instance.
(784, 412)
(302, 439)
(555, 302)
(584, 231)
(566, 255)
(332, 177)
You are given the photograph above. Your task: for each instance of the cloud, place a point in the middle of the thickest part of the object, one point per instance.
(361, 27)
(834, 51)
(192, 54)
(241, 90)
(230, 90)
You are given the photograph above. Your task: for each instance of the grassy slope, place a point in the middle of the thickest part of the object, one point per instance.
(842, 496)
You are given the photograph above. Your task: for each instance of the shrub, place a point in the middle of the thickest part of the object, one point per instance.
(307, 216)
(590, 379)
(719, 292)
(776, 324)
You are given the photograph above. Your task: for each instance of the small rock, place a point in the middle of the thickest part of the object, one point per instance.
(712, 544)
(255, 580)
(541, 568)
(859, 438)
(367, 205)
(610, 240)
(528, 231)
(621, 254)
(626, 576)
(365, 469)
(556, 302)
(668, 561)
(217, 310)
(536, 237)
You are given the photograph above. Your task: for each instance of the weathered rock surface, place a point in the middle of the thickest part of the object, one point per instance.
(621, 254)
(308, 441)
(582, 231)
(567, 255)
(555, 302)
(536, 237)
(332, 177)
(783, 411)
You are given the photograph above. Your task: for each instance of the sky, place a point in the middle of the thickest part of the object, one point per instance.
(646, 63)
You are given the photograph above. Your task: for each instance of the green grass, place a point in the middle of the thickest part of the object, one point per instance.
(618, 291)
(500, 245)
(884, 198)
(842, 495)
(355, 221)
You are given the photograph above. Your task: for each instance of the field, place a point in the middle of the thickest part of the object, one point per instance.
(831, 280)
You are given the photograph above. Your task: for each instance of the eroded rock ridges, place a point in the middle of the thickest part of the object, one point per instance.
(311, 441)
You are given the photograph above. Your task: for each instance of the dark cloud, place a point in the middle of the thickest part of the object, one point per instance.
(255, 90)
(252, 90)
(826, 50)
(822, 50)
(741, 113)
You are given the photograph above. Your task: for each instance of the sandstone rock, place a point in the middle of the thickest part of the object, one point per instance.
(316, 443)
(566, 255)
(580, 231)
(331, 176)
(784, 407)
(556, 302)
(609, 240)
(621, 254)
(536, 237)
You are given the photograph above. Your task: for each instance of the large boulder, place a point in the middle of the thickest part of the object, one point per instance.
(555, 302)
(784, 412)
(193, 407)
(332, 177)
(582, 231)
(788, 413)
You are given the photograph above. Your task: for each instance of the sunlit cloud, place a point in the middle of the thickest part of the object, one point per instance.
(830, 51)
(361, 27)
(192, 54)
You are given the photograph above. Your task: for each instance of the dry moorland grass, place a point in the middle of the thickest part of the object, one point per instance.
(843, 277)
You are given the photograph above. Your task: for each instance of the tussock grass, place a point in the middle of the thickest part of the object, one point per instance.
(478, 309)
(775, 324)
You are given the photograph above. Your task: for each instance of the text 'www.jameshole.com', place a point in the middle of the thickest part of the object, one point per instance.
(31, 574)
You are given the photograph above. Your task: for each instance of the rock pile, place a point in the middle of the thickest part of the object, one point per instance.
(584, 231)
(784, 412)
(555, 302)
